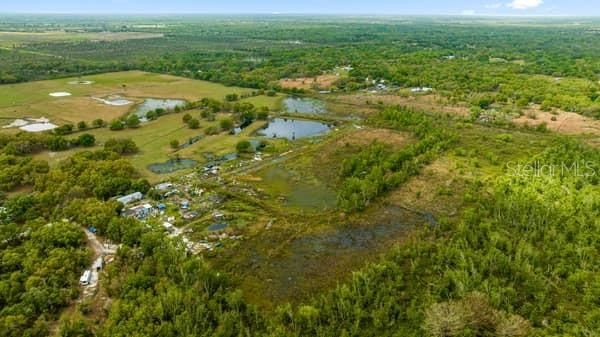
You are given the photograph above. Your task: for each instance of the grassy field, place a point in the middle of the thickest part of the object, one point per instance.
(16, 39)
(33, 100)
(153, 139)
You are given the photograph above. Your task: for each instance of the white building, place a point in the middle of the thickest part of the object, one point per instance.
(133, 197)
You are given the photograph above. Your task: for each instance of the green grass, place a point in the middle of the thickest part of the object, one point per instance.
(32, 99)
(154, 138)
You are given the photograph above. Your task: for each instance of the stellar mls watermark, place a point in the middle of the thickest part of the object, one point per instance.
(540, 169)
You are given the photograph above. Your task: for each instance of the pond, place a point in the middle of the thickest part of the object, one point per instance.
(298, 191)
(217, 227)
(151, 104)
(304, 106)
(293, 128)
(172, 165)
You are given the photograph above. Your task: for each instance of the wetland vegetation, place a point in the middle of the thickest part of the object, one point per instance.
(297, 176)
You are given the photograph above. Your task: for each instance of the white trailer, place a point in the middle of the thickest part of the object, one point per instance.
(85, 279)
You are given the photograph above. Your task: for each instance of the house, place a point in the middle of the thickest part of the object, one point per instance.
(184, 204)
(421, 89)
(218, 216)
(164, 186)
(169, 227)
(141, 211)
(133, 197)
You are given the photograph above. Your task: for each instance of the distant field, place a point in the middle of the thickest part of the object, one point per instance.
(15, 39)
(32, 99)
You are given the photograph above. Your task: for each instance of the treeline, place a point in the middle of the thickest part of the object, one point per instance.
(378, 169)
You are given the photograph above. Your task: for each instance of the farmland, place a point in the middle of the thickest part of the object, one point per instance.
(33, 99)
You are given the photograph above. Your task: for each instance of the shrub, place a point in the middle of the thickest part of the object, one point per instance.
(86, 140)
(226, 124)
(117, 125)
(121, 146)
(193, 123)
(244, 146)
(133, 121)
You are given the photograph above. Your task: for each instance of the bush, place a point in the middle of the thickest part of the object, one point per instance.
(211, 130)
(121, 146)
(98, 123)
(82, 125)
(133, 121)
(232, 97)
(244, 146)
(174, 144)
(86, 140)
(64, 129)
(117, 125)
(193, 123)
(226, 124)
(186, 118)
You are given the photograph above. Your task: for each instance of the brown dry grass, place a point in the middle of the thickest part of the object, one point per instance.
(431, 103)
(327, 161)
(307, 83)
(438, 189)
(566, 122)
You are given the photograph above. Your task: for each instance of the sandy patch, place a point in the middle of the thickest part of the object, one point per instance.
(565, 122)
(17, 123)
(81, 82)
(38, 127)
(60, 94)
(322, 82)
(114, 101)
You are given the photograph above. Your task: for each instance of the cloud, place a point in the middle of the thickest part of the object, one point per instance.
(494, 5)
(525, 4)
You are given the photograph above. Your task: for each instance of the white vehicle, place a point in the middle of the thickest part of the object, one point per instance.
(85, 279)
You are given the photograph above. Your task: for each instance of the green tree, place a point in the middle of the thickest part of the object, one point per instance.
(86, 140)
(226, 124)
(133, 121)
(193, 123)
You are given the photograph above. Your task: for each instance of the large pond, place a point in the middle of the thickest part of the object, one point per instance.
(304, 106)
(151, 104)
(293, 128)
(172, 165)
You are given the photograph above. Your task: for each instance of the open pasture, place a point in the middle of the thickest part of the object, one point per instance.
(33, 99)
(16, 39)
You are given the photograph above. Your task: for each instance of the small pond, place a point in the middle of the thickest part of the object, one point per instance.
(172, 165)
(293, 128)
(217, 227)
(304, 106)
(151, 104)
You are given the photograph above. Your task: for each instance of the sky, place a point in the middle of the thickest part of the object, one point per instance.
(388, 7)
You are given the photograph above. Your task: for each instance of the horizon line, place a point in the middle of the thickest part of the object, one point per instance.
(188, 13)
